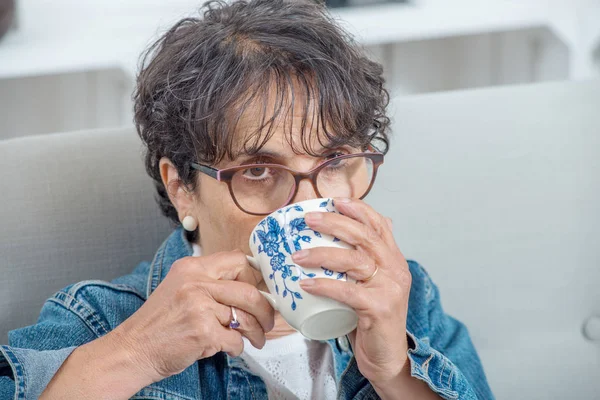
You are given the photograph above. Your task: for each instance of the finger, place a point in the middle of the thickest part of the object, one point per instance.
(362, 212)
(243, 297)
(233, 266)
(357, 264)
(230, 342)
(355, 296)
(230, 265)
(350, 231)
(249, 326)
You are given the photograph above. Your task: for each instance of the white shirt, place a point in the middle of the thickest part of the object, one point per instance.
(292, 366)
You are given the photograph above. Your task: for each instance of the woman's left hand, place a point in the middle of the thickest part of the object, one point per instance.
(379, 342)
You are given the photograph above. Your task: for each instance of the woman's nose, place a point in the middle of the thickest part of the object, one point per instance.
(306, 191)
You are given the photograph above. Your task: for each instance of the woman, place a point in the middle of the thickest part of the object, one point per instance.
(257, 87)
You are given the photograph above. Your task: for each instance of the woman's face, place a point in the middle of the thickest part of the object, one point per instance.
(223, 226)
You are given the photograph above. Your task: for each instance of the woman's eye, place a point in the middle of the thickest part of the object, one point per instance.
(334, 155)
(256, 172)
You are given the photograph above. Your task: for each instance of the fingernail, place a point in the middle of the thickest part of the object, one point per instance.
(307, 283)
(299, 255)
(344, 200)
(314, 216)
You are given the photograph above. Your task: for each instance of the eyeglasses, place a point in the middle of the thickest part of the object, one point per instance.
(260, 189)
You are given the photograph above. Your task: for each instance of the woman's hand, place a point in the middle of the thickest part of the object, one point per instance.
(187, 317)
(379, 341)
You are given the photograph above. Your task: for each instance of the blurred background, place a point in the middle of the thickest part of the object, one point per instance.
(492, 180)
(70, 64)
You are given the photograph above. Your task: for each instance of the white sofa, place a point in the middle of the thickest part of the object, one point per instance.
(496, 192)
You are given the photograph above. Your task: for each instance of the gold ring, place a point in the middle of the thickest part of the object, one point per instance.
(372, 275)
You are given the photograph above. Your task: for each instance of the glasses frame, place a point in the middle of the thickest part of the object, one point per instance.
(226, 175)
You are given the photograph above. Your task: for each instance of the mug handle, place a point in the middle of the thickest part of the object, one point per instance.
(270, 298)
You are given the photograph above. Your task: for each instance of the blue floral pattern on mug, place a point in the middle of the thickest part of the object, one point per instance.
(329, 272)
(273, 237)
(328, 205)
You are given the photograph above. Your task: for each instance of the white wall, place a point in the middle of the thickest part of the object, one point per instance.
(438, 47)
(101, 98)
(465, 62)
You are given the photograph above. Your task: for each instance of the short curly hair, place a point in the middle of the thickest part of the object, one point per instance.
(196, 81)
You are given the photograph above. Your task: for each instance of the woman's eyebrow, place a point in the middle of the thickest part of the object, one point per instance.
(245, 158)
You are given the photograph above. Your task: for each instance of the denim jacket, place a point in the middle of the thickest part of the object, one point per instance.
(442, 355)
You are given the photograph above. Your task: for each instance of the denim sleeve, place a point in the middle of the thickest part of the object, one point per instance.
(442, 353)
(35, 353)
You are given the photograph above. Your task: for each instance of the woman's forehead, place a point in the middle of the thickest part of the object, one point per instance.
(287, 117)
(282, 144)
(293, 131)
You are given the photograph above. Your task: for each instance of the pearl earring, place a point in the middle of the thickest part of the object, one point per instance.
(190, 223)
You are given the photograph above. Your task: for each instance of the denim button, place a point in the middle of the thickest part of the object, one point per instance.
(591, 329)
(343, 344)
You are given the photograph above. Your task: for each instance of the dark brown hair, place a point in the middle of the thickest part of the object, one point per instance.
(196, 81)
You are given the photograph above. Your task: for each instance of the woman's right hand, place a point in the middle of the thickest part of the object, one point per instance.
(187, 317)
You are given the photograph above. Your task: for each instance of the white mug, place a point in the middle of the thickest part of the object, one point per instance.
(272, 242)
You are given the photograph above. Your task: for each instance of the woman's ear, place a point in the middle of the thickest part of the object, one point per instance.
(180, 197)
